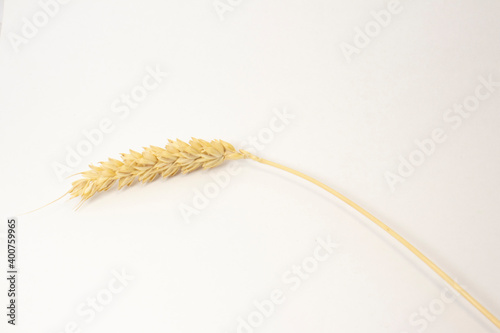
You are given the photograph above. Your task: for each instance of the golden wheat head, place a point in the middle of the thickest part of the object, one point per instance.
(153, 162)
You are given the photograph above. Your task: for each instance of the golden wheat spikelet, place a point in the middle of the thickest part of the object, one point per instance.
(153, 162)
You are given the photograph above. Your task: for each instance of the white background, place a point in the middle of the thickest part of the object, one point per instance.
(226, 78)
(1, 14)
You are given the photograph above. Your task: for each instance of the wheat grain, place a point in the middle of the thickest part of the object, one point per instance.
(151, 163)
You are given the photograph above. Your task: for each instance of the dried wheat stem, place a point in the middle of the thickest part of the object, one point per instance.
(186, 157)
(391, 232)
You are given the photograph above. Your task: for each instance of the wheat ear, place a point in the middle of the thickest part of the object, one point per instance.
(176, 156)
(180, 156)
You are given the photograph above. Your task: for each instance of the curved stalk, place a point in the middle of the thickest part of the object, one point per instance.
(391, 232)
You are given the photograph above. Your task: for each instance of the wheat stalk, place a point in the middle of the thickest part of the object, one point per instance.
(180, 156)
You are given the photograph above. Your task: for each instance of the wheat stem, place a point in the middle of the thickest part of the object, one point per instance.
(391, 232)
(178, 156)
